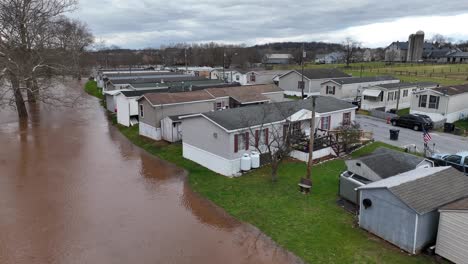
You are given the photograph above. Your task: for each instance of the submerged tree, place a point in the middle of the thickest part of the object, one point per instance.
(29, 50)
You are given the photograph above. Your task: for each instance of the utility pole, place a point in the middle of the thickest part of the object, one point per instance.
(224, 56)
(302, 74)
(185, 55)
(311, 141)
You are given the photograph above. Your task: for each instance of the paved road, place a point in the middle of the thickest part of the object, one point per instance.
(446, 143)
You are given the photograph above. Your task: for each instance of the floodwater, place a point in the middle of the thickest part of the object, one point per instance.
(74, 190)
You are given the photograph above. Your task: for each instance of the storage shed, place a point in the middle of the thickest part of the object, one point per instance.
(452, 238)
(403, 209)
(171, 130)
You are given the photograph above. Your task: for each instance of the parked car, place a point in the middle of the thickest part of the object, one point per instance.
(416, 122)
(459, 161)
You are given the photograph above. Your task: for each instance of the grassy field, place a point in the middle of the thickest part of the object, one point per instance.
(403, 111)
(445, 74)
(463, 124)
(92, 89)
(314, 227)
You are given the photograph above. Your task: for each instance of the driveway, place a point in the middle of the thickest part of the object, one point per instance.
(446, 143)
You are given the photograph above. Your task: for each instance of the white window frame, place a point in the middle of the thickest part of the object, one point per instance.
(435, 105)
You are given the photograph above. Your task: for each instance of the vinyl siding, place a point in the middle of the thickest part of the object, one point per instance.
(452, 238)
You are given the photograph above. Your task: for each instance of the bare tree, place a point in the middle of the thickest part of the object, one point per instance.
(273, 139)
(350, 46)
(391, 55)
(28, 52)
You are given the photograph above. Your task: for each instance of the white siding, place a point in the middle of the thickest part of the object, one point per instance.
(211, 161)
(123, 110)
(452, 238)
(149, 131)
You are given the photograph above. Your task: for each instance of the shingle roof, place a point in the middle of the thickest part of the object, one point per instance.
(136, 93)
(407, 84)
(458, 54)
(166, 79)
(425, 189)
(242, 117)
(452, 90)
(386, 162)
(363, 79)
(461, 205)
(172, 98)
(323, 73)
(244, 90)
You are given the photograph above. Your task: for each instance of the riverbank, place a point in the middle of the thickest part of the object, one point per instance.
(313, 227)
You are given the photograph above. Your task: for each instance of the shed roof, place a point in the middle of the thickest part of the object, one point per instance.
(137, 93)
(363, 79)
(242, 117)
(425, 189)
(460, 205)
(387, 162)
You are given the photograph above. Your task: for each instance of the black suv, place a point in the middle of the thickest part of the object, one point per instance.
(416, 122)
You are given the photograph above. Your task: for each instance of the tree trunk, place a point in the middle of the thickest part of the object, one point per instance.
(19, 101)
(274, 169)
(30, 91)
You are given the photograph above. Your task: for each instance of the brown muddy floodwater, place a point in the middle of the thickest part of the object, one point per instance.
(74, 190)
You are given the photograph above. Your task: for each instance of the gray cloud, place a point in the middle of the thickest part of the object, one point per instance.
(139, 24)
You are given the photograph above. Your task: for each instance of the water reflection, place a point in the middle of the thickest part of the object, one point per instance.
(74, 190)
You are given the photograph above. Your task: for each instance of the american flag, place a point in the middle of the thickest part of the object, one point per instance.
(426, 136)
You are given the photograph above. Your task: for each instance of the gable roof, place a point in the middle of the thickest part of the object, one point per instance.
(452, 90)
(387, 162)
(363, 79)
(137, 93)
(460, 205)
(459, 54)
(239, 90)
(242, 117)
(312, 74)
(425, 189)
(174, 98)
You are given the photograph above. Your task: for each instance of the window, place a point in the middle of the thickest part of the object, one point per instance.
(346, 118)
(300, 85)
(241, 141)
(252, 77)
(422, 101)
(466, 161)
(434, 102)
(141, 110)
(325, 122)
(261, 137)
(454, 159)
(405, 93)
(237, 77)
(219, 106)
(390, 96)
(330, 89)
(296, 128)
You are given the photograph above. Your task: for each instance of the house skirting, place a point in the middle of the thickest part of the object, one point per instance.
(299, 93)
(149, 131)
(218, 164)
(303, 156)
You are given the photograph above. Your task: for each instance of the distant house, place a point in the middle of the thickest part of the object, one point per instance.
(448, 102)
(277, 58)
(438, 55)
(229, 76)
(218, 139)
(452, 235)
(403, 209)
(387, 96)
(154, 107)
(118, 84)
(330, 58)
(381, 164)
(398, 51)
(352, 88)
(263, 76)
(291, 82)
(126, 105)
(457, 57)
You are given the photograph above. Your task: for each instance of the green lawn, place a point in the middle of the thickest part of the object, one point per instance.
(92, 89)
(463, 124)
(404, 111)
(313, 226)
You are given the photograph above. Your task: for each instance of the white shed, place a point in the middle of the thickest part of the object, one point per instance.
(452, 238)
(171, 130)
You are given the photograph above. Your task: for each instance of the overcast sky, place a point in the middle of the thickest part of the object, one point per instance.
(375, 23)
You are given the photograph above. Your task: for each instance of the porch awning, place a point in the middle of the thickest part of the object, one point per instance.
(371, 93)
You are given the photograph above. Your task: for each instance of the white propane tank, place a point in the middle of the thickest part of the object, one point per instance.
(255, 156)
(245, 162)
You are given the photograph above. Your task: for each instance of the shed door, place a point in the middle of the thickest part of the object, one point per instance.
(452, 237)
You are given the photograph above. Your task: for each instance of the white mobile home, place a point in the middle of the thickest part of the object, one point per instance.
(291, 82)
(351, 88)
(449, 102)
(389, 96)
